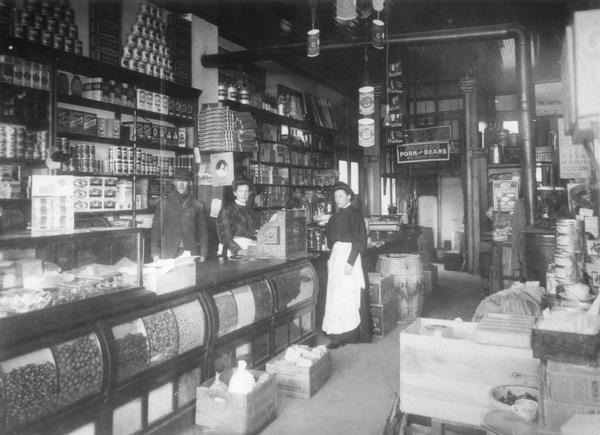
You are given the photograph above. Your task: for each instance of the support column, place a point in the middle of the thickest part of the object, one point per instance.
(467, 86)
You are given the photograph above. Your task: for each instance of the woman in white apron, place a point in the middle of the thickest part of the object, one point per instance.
(347, 238)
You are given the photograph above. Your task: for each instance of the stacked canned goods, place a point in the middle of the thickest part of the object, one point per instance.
(126, 160)
(16, 142)
(50, 23)
(146, 49)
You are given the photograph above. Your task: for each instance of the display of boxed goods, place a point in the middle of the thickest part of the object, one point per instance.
(52, 203)
(384, 316)
(105, 32)
(381, 288)
(98, 193)
(301, 371)
(221, 410)
(172, 274)
(283, 236)
(217, 128)
(439, 357)
(505, 330)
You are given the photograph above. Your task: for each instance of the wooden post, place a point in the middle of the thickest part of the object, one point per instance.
(467, 86)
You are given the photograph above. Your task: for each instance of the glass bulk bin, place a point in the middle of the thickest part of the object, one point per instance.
(227, 312)
(246, 310)
(80, 369)
(295, 330)
(281, 337)
(162, 331)
(306, 323)
(191, 325)
(295, 286)
(132, 348)
(31, 387)
(263, 299)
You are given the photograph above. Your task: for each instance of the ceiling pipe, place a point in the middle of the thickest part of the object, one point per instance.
(465, 34)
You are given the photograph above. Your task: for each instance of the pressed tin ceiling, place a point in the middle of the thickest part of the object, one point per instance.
(267, 23)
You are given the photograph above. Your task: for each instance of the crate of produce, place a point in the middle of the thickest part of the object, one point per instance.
(220, 412)
(381, 288)
(572, 383)
(384, 317)
(445, 374)
(300, 381)
(566, 347)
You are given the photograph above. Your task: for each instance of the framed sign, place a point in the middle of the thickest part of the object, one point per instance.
(425, 145)
(423, 152)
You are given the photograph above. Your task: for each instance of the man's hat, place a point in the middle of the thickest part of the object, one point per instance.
(182, 174)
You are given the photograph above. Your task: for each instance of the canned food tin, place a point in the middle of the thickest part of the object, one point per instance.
(63, 28)
(78, 47)
(58, 42)
(136, 29)
(58, 13)
(50, 24)
(26, 18)
(18, 31)
(39, 21)
(72, 31)
(69, 45)
(46, 38)
(33, 34)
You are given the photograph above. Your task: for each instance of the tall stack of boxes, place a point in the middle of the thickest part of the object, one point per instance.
(179, 34)
(105, 31)
(382, 303)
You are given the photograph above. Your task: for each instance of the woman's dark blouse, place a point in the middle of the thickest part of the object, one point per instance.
(236, 220)
(347, 225)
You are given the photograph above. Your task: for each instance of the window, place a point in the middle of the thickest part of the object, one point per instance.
(350, 174)
(511, 126)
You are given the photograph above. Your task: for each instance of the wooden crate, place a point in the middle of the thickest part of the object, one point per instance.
(572, 383)
(566, 347)
(505, 330)
(221, 412)
(450, 378)
(384, 317)
(300, 382)
(381, 288)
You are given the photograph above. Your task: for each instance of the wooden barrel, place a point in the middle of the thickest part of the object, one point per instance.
(409, 283)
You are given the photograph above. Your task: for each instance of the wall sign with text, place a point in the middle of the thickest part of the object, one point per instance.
(423, 152)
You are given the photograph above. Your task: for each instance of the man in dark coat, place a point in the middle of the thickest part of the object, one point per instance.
(180, 222)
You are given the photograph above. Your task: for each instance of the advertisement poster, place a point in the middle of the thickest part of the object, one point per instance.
(222, 168)
(574, 161)
(423, 152)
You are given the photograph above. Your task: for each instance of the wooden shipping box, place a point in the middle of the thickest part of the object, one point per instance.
(450, 378)
(572, 383)
(384, 317)
(566, 347)
(222, 412)
(381, 288)
(300, 382)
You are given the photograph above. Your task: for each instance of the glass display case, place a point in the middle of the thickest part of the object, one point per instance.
(162, 332)
(55, 268)
(132, 348)
(80, 369)
(260, 349)
(160, 402)
(31, 387)
(295, 286)
(263, 299)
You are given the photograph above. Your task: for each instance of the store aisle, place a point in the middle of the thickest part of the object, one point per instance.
(365, 377)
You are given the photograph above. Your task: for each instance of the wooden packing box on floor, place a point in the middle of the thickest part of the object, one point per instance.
(450, 378)
(381, 288)
(384, 317)
(300, 382)
(572, 383)
(221, 412)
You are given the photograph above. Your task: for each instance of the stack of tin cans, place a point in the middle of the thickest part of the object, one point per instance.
(146, 49)
(570, 251)
(16, 142)
(50, 23)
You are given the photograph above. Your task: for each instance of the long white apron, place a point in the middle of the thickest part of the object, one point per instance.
(342, 307)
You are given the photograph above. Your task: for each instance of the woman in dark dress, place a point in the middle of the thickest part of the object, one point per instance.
(347, 239)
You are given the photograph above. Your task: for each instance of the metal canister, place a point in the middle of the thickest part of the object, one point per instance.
(69, 45)
(51, 25)
(46, 38)
(78, 47)
(33, 34)
(58, 42)
(72, 32)
(63, 28)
